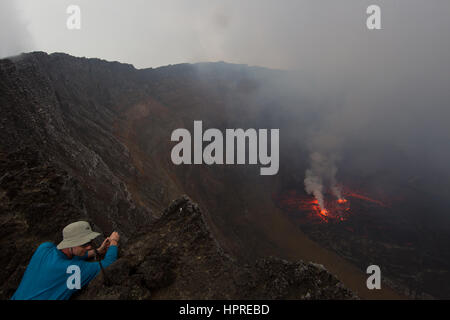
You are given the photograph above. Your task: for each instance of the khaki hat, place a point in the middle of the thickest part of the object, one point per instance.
(77, 234)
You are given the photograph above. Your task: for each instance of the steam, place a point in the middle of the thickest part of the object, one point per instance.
(322, 176)
(314, 186)
(336, 190)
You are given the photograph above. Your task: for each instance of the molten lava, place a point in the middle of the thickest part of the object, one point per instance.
(334, 210)
(365, 198)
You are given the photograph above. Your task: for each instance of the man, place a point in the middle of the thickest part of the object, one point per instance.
(53, 270)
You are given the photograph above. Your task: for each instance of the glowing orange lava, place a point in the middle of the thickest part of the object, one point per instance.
(362, 197)
(333, 210)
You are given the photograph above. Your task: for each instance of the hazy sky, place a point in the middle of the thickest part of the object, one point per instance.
(303, 34)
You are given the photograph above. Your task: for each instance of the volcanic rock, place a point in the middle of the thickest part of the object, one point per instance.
(177, 258)
(87, 139)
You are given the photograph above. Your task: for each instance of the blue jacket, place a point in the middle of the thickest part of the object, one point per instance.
(47, 273)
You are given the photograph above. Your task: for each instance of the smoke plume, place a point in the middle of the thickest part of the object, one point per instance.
(321, 176)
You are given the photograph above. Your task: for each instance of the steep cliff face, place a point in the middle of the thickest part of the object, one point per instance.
(89, 139)
(109, 125)
(70, 125)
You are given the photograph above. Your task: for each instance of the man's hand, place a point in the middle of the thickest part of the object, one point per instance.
(105, 245)
(114, 239)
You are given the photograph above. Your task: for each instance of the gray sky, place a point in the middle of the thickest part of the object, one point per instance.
(304, 34)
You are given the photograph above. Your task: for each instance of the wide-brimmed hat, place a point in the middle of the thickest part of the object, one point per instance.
(77, 234)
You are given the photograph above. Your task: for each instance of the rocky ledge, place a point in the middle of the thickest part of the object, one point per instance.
(178, 258)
